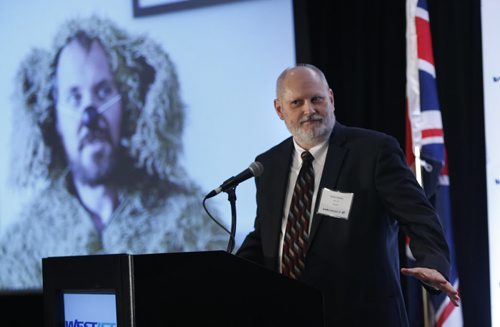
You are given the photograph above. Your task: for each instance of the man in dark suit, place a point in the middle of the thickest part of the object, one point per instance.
(338, 230)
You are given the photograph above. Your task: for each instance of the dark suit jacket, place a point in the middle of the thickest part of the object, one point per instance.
(354, 262)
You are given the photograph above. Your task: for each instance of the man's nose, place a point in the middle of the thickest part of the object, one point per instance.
(309, 108)
(90, 117)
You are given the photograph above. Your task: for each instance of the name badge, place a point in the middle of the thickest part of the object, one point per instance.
(335, 204)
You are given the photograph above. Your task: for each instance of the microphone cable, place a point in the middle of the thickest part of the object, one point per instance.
(231, 238)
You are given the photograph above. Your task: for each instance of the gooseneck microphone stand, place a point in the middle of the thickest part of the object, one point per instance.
(231, 197)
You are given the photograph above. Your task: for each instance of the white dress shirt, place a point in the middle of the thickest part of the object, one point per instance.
(319, 153)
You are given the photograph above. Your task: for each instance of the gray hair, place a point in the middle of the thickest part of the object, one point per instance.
(282, 76)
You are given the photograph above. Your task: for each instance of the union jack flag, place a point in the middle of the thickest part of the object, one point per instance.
(425, 139)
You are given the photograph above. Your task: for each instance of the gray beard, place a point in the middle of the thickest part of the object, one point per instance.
(315, 136)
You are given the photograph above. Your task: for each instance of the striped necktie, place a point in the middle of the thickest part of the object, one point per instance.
(297, 228)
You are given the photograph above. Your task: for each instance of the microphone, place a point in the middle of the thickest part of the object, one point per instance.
(254, 170)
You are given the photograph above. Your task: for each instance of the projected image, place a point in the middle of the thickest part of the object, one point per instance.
(101, 120)
(116, 122)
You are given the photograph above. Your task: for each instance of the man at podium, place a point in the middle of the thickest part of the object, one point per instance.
(330, 203)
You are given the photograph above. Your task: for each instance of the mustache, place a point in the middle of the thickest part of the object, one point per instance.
(95, 134)
(311, 117)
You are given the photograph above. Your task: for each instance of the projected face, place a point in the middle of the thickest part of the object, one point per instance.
(88, 112)
(306, 105)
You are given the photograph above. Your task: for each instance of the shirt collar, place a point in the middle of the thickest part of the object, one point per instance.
(316, 151)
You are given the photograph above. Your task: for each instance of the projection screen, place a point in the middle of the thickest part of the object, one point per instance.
(226, 57)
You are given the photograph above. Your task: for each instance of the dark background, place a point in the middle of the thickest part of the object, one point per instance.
(360, 45)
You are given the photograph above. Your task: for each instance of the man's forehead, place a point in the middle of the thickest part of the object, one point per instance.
(302, 80)
(76, 63)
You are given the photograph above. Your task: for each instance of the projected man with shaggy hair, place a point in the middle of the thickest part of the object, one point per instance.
(103, 133)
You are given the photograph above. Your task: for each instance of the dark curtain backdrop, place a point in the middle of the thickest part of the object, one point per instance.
(360, 45)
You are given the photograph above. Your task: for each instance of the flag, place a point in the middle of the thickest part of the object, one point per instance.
(425, 140)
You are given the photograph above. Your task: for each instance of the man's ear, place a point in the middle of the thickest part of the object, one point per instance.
(330, 95)
(279, 108)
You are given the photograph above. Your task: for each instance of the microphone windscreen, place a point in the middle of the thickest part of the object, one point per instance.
(256, 168)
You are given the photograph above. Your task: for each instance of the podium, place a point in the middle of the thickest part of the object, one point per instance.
(178, 289)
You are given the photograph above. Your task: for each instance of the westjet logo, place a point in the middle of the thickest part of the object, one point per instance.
(78, 323)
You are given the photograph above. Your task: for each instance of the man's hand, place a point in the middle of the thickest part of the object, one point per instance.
(434, 279)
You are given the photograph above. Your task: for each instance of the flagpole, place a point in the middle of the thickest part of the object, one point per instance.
(418, 175)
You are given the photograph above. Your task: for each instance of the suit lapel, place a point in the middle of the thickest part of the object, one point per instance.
(331, 171)
(280, 168)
